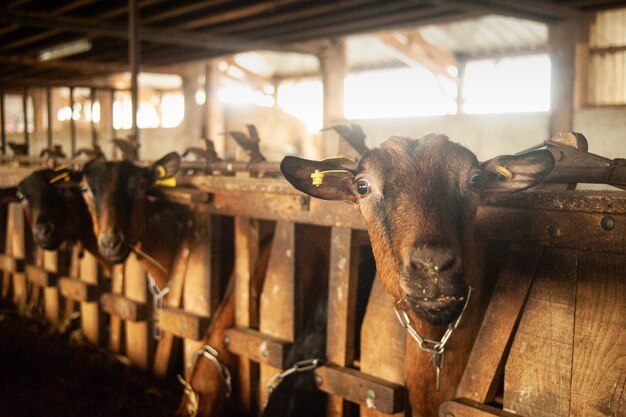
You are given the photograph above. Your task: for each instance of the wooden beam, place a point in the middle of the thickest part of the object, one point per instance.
(258, 81)
(539, 10)
(180, 10)
(134, 58)
(438, 55)
(3, 128)
(237, 13)
(72, 124)
(334, 67)
(49, 116)
(25, 114)
(96, 27)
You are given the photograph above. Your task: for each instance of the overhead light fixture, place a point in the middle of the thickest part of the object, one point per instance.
(65, 49)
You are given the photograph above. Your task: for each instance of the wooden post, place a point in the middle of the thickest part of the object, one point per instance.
(581, 70)
(381, 337)
(51, 294)
(193, 112)
(49, 115)
(246, 254)
(278, 298)
(3, 130)
(341, 307)
(213, 108)
(138, 335)
(94, 131)
(72, 124)
(134, 57)
(25, 113)
(16, 228)
(90, 311)
(115, 325)
(334, 67)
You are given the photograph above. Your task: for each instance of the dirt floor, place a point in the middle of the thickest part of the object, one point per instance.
(44, 375)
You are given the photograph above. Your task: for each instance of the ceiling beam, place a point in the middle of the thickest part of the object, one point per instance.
(73, 64)
(164, 36)
(445, 58)
(181, 10)
(537, 10)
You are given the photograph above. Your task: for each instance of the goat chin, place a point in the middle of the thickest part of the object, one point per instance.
(438, 312)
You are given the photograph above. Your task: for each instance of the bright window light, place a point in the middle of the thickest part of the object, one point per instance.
(403, 92)
(236, 94)
(147, 115)
(519, 84)
(304, 100)
(172, 109)
(64, 113)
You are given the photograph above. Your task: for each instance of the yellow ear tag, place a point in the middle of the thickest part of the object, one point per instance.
(167, 182)
(160, 171)
(317, 178)
(61, 168)
(65, 176)
(504, 172)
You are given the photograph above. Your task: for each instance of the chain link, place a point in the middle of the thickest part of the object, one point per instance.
(212, 354)
(157, 304)
(436, 348)
(301, 366)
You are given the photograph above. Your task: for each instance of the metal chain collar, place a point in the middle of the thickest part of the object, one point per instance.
(436, 348)
(157, 304)
(212, 354)
(301, 366)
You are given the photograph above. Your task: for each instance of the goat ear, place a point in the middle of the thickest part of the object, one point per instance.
(328, 180)
(94, 162)
(511, 173)
(166, 167)
(8, 195)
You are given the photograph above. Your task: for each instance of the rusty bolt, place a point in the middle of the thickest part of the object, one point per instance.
(304, 203)
(226, 340)
(607, 223)
(553, 231)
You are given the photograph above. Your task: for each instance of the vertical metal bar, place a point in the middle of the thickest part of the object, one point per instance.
(49, 114)
(3, 131)
(134, 57)
(94, 131)
(72, 124)
(25, 111)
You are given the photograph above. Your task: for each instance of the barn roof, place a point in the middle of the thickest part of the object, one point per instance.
(175, 32)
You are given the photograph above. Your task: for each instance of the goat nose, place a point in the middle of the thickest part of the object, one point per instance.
(44, 229)
(111, 240)
(433, 259)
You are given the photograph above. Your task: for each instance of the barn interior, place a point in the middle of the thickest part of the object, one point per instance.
(496, 76)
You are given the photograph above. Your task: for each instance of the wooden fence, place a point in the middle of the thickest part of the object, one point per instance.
(552, 342)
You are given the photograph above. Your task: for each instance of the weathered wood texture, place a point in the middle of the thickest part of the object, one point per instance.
(463, 407)
(91, 315)
(488, 354)
(137, 333)
(538, 372)
(16, 241)
(278, 297)
(383, 343)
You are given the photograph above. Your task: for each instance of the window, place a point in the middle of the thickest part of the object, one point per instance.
(304, 100)
(520, 84)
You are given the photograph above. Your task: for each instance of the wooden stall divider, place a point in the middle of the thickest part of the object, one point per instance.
(247, 233)
(201, 289)
(91, 320)
(278, 298)
(383, 343)
(18, 251)
(116, 331)
(138, 337)
(538, 372)
(341, 307)
(51, 294)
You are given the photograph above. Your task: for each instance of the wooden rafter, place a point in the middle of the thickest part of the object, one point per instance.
(538, 10)
(251, 77)
(416, 54)
(181, 10)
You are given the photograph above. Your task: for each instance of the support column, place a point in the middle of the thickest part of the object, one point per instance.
(25, 113)
(49, 116)
(213, 108)
(562, 40)
(94, 130)
(334, 67)
(3, 130)
(193, 112)
(72, 124)
(134, 57)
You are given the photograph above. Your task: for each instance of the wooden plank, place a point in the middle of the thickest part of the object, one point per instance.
(564, 229)
(352, 385)
(258, 347)
(599, 365)
(78, 290)
(278, 297)
(119, 306)
(138, 334)
(538, 373)
(341, 305)
(334, 68)
(20, 289)
(246, 255)
(91, 317)
(40, 277)
(381, 337)
(486, 359)
(463, 407)
(183, 323)
(116, 333)
(164, 348)
(51, 294)
(201, 289)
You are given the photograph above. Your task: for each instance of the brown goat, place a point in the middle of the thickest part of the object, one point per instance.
(419, 199)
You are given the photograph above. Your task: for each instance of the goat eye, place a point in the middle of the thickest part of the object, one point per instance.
(362, 187)
(84, 188)
(476, 182)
